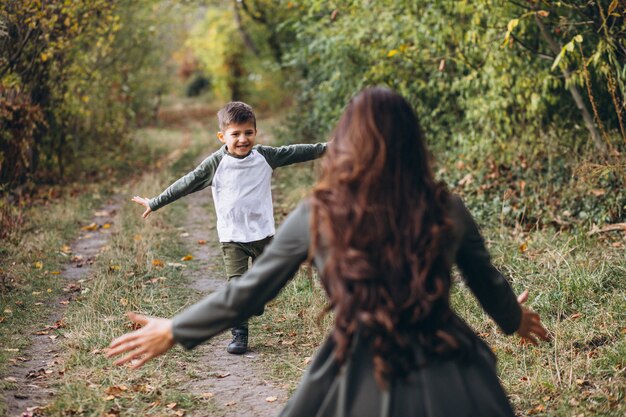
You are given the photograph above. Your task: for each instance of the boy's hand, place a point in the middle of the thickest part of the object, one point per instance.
(530, 327)
(152, 340)
(144, 202)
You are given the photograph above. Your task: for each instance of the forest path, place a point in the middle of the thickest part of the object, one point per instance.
(33, 373)
(235, 382)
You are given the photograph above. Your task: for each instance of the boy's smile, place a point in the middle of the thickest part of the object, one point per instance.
(239, 138)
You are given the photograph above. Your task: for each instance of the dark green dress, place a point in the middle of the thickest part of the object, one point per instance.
(463, 385)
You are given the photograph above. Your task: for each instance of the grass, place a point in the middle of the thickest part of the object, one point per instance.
(32, 250)
(92, 385)
(123, 277)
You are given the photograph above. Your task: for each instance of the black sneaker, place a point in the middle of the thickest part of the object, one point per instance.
(239, 344)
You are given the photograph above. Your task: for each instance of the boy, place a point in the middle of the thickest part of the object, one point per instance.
(239, 174)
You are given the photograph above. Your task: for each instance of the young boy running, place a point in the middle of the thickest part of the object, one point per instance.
(239, 174)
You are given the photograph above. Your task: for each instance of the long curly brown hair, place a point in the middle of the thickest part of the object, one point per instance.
(381, 218)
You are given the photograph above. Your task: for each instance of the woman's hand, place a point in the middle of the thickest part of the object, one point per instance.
(152, 340)
(530, 327)
(144, 202)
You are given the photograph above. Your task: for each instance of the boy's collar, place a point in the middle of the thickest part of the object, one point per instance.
(236, 156)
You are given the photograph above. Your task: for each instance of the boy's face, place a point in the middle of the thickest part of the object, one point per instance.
(239, 138)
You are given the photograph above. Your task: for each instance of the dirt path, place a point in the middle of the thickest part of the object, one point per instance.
(37, 368)
(234, 380)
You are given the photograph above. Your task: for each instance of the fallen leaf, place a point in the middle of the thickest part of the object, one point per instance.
(64, 302)
(115, 267)
(176, 265)
(158, 263)
(201, 242)
(308, 360)
(66, 249)
(106, 226)
(223, 375)
(109, 398)
(102, 213)
(187, 258)
(171, 405)
(271, 399)
(55, 273)
(185, 234)
(179, 413)
(8, 311)
(36, 292)
(10, 379)
(90, 227)
(124, 302)
(137, 238)
(523, 247)
(116, 390)
(575, 316)
(207, 395)
(53, 337)
(38, 264)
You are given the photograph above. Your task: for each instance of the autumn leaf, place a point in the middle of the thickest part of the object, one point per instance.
(187, 258)
(171, 405)
(271, 399)
(38, 264)
(106, 226)
(90, 227)
(392, 53)
(114, 267)
(55, 273)
(158, 263)
(116, 390)
(206, 395)
(201, 242)
(523, 247)
(66, 249)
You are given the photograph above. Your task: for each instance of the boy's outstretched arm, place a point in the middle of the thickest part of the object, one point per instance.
(144, 202)
(291, 154)
(196, 180)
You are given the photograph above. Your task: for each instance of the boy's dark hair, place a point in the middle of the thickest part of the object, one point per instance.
(235, 112)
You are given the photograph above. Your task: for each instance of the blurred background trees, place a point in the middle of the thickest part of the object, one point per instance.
(522, 100)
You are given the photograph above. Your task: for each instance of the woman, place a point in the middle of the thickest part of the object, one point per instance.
(384, 236)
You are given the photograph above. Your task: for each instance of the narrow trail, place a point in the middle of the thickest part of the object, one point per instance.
(37, 368)
(234, 381)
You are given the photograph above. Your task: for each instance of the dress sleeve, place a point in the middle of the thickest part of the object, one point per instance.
(198, 179)
(241, 298)
(291, 154)
(487, 283)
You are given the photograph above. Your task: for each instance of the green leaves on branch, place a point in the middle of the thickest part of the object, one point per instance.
(568, 47)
